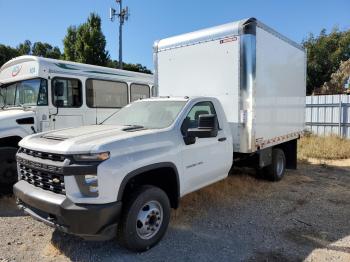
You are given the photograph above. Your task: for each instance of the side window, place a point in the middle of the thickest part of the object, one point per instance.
(138, 91)
(191, 120)
(72, 92)
(106, 94)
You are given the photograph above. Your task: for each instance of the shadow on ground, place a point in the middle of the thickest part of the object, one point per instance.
(5, 190)
(8, 207)
(242, 218)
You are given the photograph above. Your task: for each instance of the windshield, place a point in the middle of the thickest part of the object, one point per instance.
(24, 93)
(147, 114)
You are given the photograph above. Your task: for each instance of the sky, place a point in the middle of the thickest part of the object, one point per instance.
(47, 21)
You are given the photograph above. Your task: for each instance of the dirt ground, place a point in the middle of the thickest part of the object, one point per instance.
(305, 217)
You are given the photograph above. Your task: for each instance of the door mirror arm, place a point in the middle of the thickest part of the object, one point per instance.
(189, 139)
(58, 103)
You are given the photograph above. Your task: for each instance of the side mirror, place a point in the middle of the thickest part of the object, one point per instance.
(59, 89)
(208, 126)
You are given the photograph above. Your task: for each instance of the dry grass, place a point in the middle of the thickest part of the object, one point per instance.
(231, 190)
(323, 147)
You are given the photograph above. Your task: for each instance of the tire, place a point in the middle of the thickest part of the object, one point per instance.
(145, 219)
(276, 170)
(8, 166)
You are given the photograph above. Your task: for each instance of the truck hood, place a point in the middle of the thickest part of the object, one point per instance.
(83, 132)
(13, 114)
(82, 139)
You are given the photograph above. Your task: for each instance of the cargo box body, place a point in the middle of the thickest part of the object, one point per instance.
(258, 75)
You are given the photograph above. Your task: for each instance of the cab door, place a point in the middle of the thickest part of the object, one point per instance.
(67, 108)
(208, 159)
(38, 89)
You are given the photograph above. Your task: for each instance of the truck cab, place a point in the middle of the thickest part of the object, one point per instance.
(163, 148)
(39, 94)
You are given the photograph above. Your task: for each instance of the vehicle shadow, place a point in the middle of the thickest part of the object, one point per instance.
(5, 190)
(8, 207)
(245, 218)
(77, 249)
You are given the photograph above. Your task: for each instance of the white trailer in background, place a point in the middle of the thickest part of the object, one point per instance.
(39, 94)
(258, 75)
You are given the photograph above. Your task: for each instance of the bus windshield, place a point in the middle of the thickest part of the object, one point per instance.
(24, 93)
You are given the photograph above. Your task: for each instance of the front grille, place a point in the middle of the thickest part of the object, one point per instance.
(45, 180)
(35, 171)
(42, 155)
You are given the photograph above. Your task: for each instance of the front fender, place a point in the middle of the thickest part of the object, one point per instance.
(15, 131)
(11, 123)
(144, 169)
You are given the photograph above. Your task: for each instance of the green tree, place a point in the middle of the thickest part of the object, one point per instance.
(70, 52)
(336, 85)
(130, 67)
(46, 50)
(24, 48)
(136, 68)
(324, 55)
(86, 43)
(7, 53)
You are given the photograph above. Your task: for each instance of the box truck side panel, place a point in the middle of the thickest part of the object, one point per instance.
(204, 69)
(279, 103)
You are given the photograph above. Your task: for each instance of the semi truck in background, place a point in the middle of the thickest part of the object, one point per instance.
(228, 94)
(39, 94)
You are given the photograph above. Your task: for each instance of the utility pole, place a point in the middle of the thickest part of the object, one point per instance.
(123, 16)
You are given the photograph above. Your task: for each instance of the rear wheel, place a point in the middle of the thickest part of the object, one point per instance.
(275, 171)
(8, 167)
(145, 219)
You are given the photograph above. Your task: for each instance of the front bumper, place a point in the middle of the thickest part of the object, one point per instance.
(89, 221)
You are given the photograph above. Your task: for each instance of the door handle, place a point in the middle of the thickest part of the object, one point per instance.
(222, 139)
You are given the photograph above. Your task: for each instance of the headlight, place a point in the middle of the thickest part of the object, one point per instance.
(92, 157)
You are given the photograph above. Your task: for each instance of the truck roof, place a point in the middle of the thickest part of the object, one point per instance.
(167, 98)
(176, 98)
(244, 26)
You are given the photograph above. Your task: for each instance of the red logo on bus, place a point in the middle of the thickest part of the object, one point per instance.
(16, 70)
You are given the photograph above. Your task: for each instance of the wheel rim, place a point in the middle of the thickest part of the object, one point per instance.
(279, 166)
(149, 220)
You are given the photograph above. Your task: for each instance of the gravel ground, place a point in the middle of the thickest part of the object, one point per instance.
(304, 217)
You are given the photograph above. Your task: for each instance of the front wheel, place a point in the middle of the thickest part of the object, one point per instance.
(145, 219)
(8, 167)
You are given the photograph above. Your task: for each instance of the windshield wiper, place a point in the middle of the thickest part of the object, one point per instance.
(133, 127)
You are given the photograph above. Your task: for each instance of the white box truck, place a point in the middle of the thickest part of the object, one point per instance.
(258, 75)
(239, 95)
(39, 94)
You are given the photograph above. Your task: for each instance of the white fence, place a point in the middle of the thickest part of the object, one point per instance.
(328, 114)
